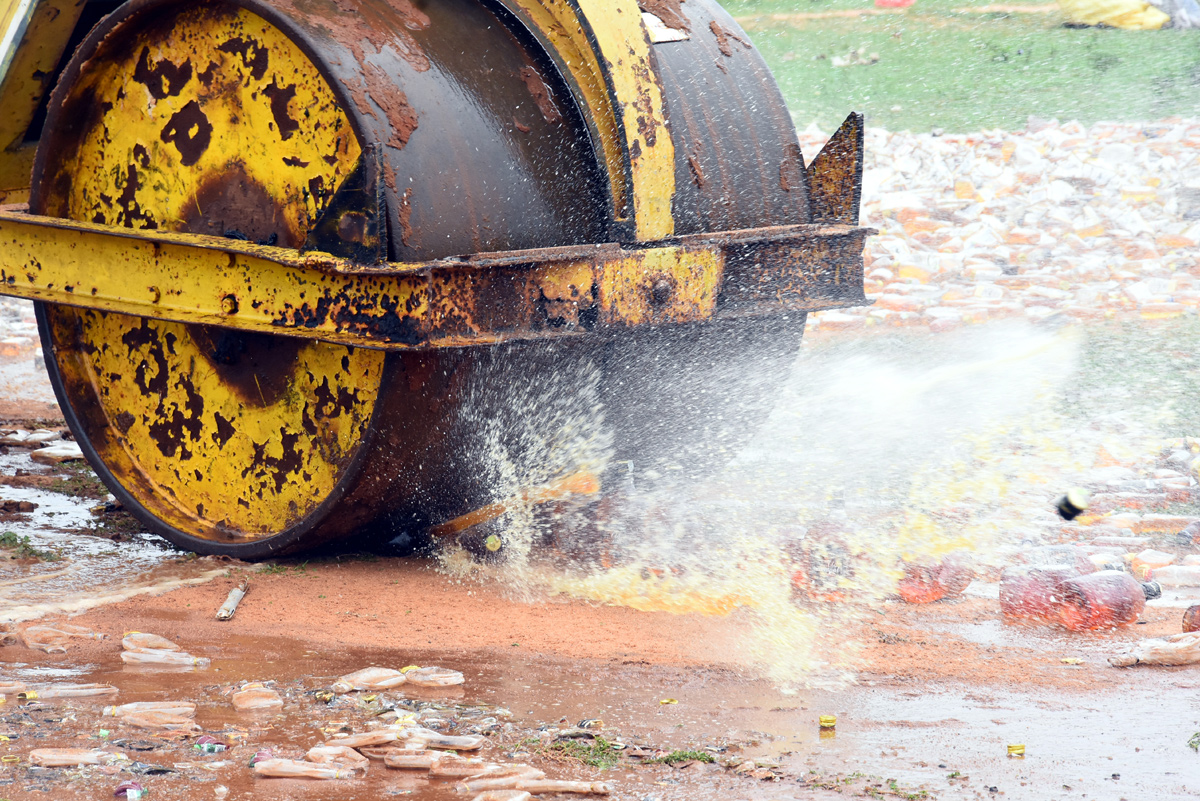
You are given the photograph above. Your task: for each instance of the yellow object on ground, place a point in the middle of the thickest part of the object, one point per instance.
(1131, 15)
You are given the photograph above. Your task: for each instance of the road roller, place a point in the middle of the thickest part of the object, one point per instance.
(306, 270)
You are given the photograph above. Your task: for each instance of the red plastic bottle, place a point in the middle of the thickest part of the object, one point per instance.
(1034, 593)
(1103, 600)
(1191, 618)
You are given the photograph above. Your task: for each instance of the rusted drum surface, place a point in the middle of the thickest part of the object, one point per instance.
(243, 119)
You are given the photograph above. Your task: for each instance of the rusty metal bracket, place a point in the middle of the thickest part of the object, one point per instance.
(835, 175)
(474, 300)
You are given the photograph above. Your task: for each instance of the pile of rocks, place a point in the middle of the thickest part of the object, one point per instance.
(1057, 219)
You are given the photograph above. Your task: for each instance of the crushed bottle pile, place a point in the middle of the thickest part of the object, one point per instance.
(1089, 223)
(391, 731)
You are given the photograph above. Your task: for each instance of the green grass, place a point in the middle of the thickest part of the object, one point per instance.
(961, 72)
(675, 757)
(1194, 742)
(78, 481)
(598, 753)
(23, 548)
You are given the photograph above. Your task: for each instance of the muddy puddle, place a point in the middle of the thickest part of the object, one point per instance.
(77, 572)
(948, 740)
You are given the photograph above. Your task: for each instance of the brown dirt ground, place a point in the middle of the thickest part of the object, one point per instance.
(405, 604)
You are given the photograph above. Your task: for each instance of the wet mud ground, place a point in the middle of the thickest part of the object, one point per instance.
(940, 690)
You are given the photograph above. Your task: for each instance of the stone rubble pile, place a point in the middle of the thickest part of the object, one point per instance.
(1089, 223)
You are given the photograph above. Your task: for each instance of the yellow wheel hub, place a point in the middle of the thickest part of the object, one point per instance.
(211, 121)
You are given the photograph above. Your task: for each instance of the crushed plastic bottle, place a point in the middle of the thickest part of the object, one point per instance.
(156, 656)
(71, 757)
(1103, 600)
(376, 737)
(1033, 592)
(1143, 563)
(295, 769)
(136, 640)
(165, 721)
(337, 755)
(255, 696)
(455, 766)
(76, 691)
(230, 606)
(372, 678)
(503, 795)
(420, 736)
(407, 758)
(1177, 575)
(434, 677)
(181, 708)
(1177, 649)
(537, 786)
(505, 778)
(54, 639)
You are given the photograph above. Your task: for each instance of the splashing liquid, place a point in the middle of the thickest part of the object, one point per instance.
(936, 444)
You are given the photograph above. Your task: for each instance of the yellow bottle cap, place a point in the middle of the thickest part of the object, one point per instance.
(1016, 750)
(668, 701)
(828, 721)
(493, 543)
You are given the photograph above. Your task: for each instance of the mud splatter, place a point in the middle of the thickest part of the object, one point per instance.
(541, 95)
(404, 216)
(791, 169)
(697, 172)
(724, 37)
(401, 116)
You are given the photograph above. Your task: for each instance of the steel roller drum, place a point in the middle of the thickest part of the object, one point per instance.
(432, 129)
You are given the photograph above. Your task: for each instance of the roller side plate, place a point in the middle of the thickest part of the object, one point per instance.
(475, 300)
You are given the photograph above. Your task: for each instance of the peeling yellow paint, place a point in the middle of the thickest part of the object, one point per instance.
(223, 435)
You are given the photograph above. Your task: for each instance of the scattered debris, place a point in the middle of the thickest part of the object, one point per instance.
(1058, 219)
(1073, 504)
